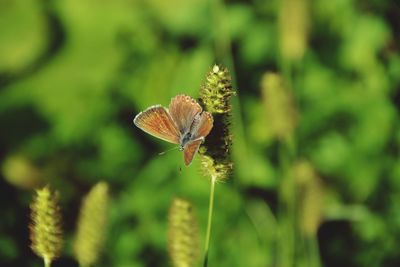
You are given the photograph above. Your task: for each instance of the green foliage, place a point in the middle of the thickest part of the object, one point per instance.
(73, 74)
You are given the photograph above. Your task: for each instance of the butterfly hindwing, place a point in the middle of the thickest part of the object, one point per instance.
(191, 149)
(202, 125)
(157, 121)
(183, 110)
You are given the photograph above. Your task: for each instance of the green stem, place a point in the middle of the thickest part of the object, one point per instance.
(287, 211)
(47, 262)
(209, 222)
(314, 252)
(288, 217)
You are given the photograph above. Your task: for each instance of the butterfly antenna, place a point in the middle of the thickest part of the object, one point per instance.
(162, 153)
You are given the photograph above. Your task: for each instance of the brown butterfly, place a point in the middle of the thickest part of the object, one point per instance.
(184, 123)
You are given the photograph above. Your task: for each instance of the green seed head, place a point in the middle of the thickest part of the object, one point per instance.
(215, 94)
(90, 235)
(45, 228)
(183, 241)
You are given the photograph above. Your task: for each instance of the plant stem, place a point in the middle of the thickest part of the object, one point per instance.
(47, 262)
(315, 260)
(286, 241)
(288, 213)
(209, 222)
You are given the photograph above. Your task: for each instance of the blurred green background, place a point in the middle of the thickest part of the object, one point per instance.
(321, 190)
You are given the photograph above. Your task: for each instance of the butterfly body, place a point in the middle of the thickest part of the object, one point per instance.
(184, 140)
(184, 123)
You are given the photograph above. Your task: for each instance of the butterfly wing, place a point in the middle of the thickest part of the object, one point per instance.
(183, 110)
(191, 149)
(203, 125)
(158, 122)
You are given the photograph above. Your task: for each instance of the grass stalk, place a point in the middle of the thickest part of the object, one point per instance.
(47, 262)
(209, 221)
(314, 255)
(288, 212)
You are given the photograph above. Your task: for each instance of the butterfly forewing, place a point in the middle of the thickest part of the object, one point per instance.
(183, 110)
(157, 121)
(191, 149)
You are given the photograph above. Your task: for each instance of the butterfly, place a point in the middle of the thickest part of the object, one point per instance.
(184, 123)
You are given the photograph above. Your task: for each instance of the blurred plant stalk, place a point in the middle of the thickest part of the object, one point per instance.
(300, 191)
(296, 222)
(281, 119)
